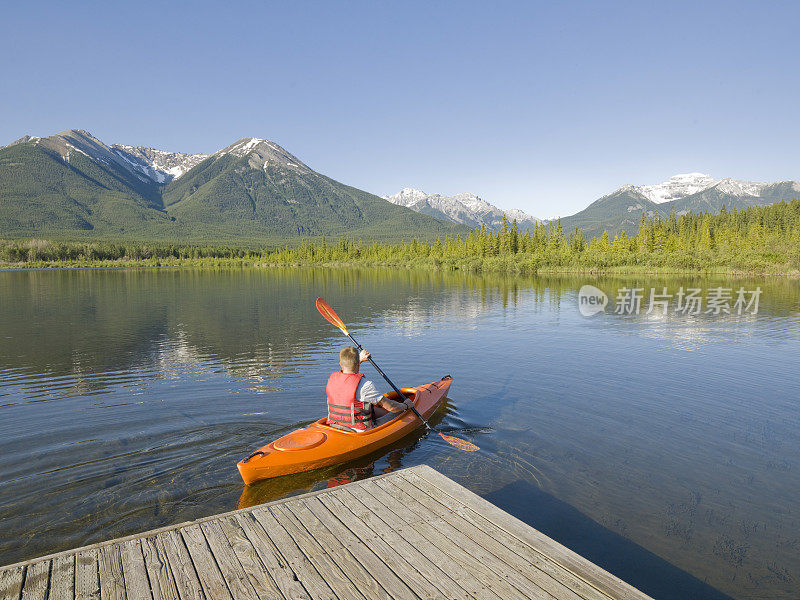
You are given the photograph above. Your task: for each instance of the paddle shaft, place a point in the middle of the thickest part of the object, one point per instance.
(394, 387)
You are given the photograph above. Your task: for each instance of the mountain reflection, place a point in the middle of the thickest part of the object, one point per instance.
(75, 329)
(72, 330)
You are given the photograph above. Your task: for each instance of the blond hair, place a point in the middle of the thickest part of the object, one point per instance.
(348, 358)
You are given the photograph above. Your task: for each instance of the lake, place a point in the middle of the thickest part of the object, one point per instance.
(664, 447)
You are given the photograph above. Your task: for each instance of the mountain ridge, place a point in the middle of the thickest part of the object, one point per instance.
(692, 192)
(254, 187)
(615, 212)
(72, 183)
(160, 165)
(464, 208)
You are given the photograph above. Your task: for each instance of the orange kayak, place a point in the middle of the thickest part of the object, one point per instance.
(320, 445)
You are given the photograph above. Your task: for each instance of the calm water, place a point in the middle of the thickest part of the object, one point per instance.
(666, 449)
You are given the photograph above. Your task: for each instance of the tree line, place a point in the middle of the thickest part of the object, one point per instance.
(752, 239)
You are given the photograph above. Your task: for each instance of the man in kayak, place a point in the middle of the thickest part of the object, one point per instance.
(354, 403)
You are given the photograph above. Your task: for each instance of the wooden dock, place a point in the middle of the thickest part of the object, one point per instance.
(409, 534)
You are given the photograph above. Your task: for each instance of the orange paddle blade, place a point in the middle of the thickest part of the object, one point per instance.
(326, 311)
(459, 443)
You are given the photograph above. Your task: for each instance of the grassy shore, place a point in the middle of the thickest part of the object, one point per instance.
(508, 265)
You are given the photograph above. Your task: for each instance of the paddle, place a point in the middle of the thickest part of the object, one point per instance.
(326, 311)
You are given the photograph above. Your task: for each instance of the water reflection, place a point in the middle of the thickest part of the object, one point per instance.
(127, 396)
(98, 327)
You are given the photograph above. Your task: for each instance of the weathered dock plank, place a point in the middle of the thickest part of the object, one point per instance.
(37, 578)
(293, 535)
(62, 578)
(259, 576)
(185, 577)
(162, 582)
(208, 572)
(134, 569)
(273, 560)
(320, 540)
(412, 534)
(11, 583)
(87, 575)
(232, 570)
(112, 583)
(368, 568)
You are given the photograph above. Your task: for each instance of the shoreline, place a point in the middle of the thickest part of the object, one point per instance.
(472, 269)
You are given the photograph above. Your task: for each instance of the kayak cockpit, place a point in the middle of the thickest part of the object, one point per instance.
(409, 393)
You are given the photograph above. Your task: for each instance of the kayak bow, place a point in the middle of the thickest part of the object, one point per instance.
(320, 445)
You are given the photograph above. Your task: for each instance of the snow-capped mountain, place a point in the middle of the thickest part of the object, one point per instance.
(261, 153)
(467, 209)
(157, 182)
(158, 165)
(79, 141)
(678, 187)
(691, 192)
(146, 164)
(250, 190)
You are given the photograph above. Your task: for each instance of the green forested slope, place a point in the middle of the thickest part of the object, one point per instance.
(288, 201)
(40, 193)
(226, 198)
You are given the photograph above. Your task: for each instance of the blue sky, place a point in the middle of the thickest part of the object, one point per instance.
(540, 106)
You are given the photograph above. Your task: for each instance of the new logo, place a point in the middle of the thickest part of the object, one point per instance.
(591, 300)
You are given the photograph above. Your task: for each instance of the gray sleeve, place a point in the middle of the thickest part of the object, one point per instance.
(367, 393)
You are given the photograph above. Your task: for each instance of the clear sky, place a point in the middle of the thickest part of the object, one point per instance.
(543, 106)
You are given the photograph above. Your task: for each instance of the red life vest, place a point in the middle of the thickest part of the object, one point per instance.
(343, 406)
